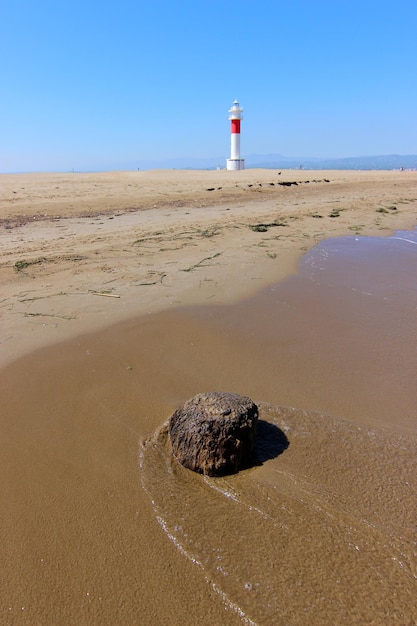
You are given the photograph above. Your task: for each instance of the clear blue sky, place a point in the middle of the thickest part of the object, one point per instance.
(103, 85)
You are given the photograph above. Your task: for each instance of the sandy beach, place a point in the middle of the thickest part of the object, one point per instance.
(125, 293)
(163, 239)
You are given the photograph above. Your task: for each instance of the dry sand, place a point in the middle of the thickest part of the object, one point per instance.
(160, 239)
(101, 340)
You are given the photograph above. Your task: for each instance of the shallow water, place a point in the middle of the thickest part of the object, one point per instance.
(101, 526)
(339, 337)
(324, 531)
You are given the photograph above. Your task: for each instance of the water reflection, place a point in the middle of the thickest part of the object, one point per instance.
(380, 266)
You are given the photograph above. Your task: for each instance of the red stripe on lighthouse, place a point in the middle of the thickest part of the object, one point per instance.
(236, 127)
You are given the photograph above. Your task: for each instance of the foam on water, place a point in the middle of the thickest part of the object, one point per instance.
(322, 532)
(324, 529)
(333, 521)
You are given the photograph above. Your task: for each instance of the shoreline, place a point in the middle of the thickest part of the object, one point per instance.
(186, 245)
(100, 523)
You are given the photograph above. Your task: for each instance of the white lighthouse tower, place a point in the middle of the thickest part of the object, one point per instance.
(235, 115)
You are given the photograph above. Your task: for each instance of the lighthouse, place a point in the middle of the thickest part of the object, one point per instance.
(235, 115)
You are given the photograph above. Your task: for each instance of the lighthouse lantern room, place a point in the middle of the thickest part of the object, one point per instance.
(235, 115)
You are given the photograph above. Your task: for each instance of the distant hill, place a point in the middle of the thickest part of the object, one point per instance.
(382, 162)
(277, 161)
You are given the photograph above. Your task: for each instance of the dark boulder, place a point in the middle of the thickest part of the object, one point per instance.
(214, 433)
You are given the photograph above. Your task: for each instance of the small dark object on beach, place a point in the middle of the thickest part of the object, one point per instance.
(22, 265)
(214, 433)
(263, 228)
(259, 228)
(288, 183)
(210, 189)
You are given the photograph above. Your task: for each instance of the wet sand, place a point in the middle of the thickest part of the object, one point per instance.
(165, 239)
(101, 527)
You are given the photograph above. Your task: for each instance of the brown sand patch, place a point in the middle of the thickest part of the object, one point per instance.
(82, 541)
(331, 515)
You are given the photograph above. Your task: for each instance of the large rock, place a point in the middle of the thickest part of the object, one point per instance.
(214, 433)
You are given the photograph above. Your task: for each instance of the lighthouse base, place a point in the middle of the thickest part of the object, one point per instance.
(235, 164)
